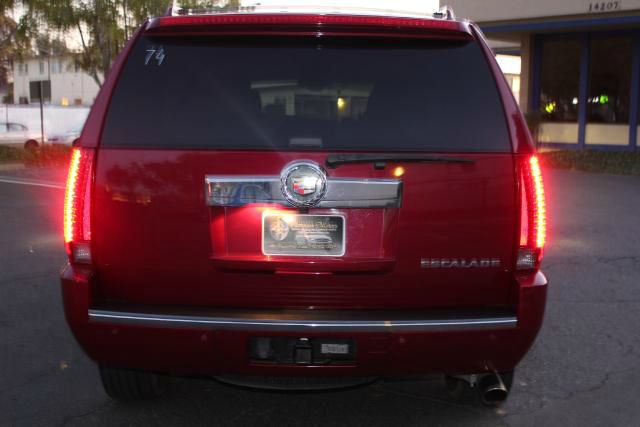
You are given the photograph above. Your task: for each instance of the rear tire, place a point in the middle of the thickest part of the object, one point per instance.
(457, 388)
(507, 379)
(31, 145)
(130, 385)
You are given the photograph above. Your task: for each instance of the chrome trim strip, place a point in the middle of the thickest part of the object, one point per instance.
(155, 320)
(241, 191)
(234, 191)
(362, 193)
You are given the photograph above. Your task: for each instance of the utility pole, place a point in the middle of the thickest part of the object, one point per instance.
(41, 114)
(124, 13)
(42, 141)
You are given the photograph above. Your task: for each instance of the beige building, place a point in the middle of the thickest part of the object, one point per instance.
(62, 82)
(580, 69)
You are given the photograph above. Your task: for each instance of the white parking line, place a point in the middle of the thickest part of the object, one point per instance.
(35, 183)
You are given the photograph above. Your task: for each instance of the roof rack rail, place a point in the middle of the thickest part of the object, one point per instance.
(445, 12)
(176, 9)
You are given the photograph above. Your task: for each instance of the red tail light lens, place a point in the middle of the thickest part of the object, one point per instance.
(533, 220)
(77, 205)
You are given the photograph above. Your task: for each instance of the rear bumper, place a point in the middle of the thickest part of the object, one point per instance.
(388, 344)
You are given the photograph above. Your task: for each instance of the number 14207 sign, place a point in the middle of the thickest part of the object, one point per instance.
(605, 6)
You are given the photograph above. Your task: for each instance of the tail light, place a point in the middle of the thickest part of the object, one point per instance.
(77, 206)
(533, 220)
(325, 24)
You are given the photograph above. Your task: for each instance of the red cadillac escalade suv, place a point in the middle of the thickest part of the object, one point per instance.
(305, 200)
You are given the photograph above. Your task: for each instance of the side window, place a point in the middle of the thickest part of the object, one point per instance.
(15, 127)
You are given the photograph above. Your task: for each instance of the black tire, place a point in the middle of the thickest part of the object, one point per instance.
(130, 385)
(507, 379)
(31, 145)
(456, 388)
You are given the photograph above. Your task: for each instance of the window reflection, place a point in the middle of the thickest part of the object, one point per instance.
(610, 80)
(560, 80)
(323, 102)
(559, 91)
(608, 97)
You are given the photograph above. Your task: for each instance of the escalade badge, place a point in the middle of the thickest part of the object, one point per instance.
(303, 183)
(447, 263)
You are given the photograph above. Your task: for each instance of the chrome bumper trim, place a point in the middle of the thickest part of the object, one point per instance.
(158, 320)
(234, 191)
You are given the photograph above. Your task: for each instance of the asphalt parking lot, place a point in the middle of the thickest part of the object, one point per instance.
(584, 369)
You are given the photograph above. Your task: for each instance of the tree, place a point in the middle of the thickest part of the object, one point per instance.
(45, 45)
(101, 26)
(14, 40)
(220, 6)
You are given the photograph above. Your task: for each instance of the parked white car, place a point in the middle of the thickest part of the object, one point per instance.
(67, 138)
(18, 134)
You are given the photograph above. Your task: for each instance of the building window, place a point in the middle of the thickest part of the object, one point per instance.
(41, 67)
(35, 89)
(23, 69)
(511, 66)
(609, 91)
(514, 83)
(559, 91)
(56, 66)
(16, 127)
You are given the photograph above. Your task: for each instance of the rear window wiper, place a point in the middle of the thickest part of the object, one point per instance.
(379, 159)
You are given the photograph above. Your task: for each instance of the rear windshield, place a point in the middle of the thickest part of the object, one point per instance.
(275, 95)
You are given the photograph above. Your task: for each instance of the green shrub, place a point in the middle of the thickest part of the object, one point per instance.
(614, 162)
(50, 155)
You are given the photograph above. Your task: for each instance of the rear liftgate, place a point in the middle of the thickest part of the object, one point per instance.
(303, 185)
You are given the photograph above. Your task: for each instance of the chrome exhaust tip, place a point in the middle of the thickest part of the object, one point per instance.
(492, 389)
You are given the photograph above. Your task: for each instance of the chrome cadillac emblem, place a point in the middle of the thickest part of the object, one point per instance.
(303, 183)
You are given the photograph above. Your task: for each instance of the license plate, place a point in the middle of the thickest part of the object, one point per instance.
(334, 349)
(303, 235)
